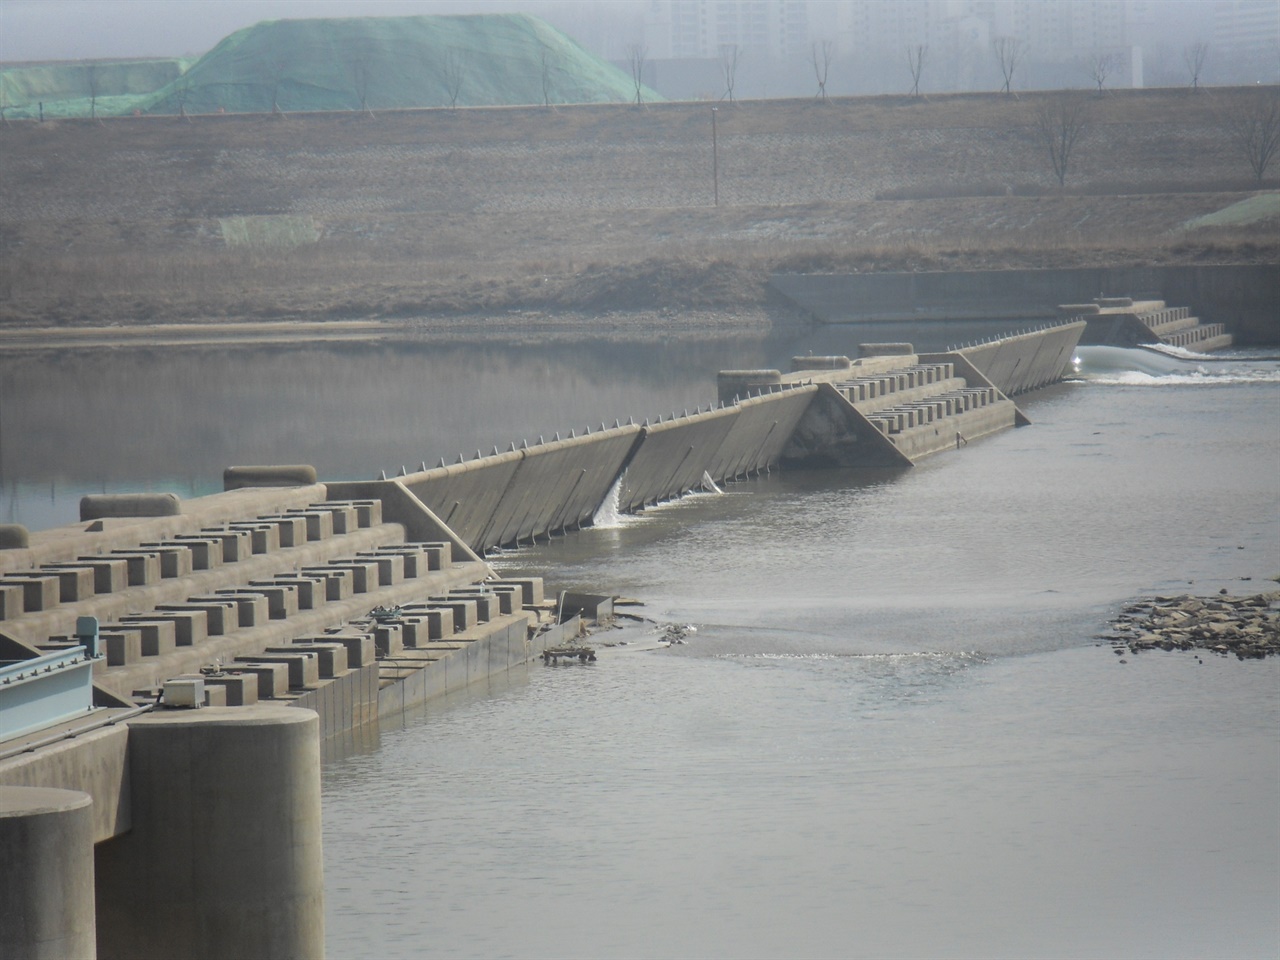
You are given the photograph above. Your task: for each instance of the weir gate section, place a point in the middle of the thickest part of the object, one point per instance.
(174, 665)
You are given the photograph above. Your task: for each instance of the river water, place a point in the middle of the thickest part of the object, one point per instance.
(892, 733)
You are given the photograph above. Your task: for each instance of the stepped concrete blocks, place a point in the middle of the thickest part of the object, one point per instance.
(75, 583)
(487, 604)
(47, 884)
(439, 622)
(263, 537)
(303, 668)
(292, 530)
(175, 560)
(273, 678)
(11, 600)
(248, 609)
(220, 614)
(320, 525)
(155, 637)
(530, 590)
(283, 597)
(361, 650)
(343, 517)
(331, 658)
(121, 648)
(39, 591)
(465, 615)
(110, 574)
(414, 557)
(240, 689)
(439, 555)
(206, 551)
(364, 575)
(190, 626)
(390, 566)
(339, 583)
(309, 592)
(144, 567)
(237, 544)
(388, 639)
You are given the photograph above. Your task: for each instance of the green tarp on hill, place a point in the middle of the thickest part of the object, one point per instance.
(389, 62)
(68, 89)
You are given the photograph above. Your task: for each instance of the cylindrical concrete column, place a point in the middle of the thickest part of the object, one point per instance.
(224, 858)
(46, 873)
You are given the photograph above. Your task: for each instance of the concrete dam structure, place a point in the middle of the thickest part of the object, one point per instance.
(169, 667)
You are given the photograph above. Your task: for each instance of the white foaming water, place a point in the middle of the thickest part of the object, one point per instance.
(607, 515)
(708, 484)
(1170, 367)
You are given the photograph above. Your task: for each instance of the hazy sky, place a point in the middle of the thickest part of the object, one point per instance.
(78, 29)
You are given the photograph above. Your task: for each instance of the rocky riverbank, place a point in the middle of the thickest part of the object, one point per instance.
(1248, 627)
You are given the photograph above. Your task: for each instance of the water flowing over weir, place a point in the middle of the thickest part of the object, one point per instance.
(888, 408)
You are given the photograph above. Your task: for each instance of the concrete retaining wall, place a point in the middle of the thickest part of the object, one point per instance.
(1244, 297)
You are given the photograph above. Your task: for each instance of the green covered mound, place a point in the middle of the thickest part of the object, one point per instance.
(388, 62)
(67, 89)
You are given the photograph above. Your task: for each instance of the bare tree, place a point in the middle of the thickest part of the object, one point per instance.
(4, 100)
(277, 74)
(1009, 52)
(636, 54)
(549, 62)
(93, 82)
(1058, 124)
(915, 60)
(360, 73)
(454, 69)
(181, 94)
(1194, 57)
(1101, 66)
(1252, 123)
(822, 52)
(730, 54)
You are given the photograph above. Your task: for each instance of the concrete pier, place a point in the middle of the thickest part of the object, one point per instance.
(46, 874)
(224, 858)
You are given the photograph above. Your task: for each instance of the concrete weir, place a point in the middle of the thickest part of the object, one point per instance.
(169, 667)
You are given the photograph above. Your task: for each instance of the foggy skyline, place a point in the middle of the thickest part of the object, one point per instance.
(91, 29)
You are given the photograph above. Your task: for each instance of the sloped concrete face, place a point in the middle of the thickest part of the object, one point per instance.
(46, 884)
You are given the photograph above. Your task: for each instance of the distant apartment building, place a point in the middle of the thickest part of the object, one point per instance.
(701, 28)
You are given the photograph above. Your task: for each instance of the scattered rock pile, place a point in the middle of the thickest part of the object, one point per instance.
(1249, 627)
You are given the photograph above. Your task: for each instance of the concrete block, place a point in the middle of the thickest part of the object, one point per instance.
(39, 591)
(464, 611)
(273, 678)
(239, 689)
(11, 604)
(439, 555)
(282, 598)
(343, 516)
(302, 669)
(110, 574)
(206, 551)
(364, 575)
(75, 583)
(220, 615)
(175, 560)
(439, 620)
(263, 537)
(214, 695)
(250, 609)
(121, 648)
(236, 544)
(309, 592)
(390, 566)
(331, 657)
(155, 637)
(388, 639)
(368, 512)
(292, 529)
(361, 650)
(487, 604)
(189, 626)
(144, 567)
(339, 584)
(416, 562)
(319, 523)
(414, 630)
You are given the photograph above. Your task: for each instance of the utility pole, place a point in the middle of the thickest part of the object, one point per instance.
(715, 160)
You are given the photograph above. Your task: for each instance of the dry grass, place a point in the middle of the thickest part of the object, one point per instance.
(592, 209)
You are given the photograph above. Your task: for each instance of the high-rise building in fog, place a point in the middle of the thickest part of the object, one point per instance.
(700, 28)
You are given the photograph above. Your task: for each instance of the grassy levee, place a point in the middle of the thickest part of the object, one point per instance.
(587, 210)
